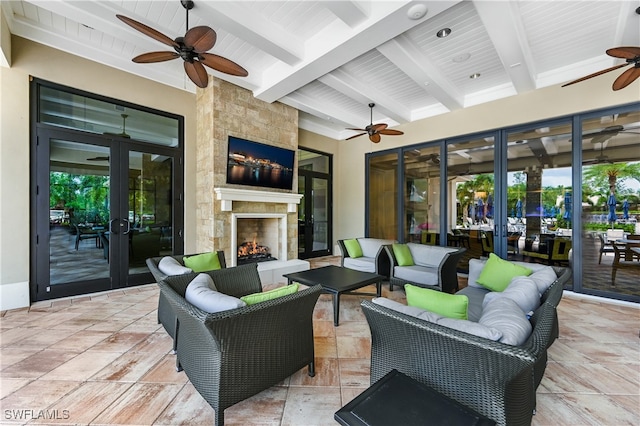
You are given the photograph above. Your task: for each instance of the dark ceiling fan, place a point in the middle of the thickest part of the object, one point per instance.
(191, 48)
(632, 57)
(599, 159)
(375, 130)
(607, 133)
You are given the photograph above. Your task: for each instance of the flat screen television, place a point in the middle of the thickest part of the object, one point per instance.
(257, 164)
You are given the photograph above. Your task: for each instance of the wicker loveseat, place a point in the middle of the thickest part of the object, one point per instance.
(166, 317)
(496, 379)
(232, 355)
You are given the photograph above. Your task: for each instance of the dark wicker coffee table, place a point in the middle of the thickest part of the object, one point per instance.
(337, 280)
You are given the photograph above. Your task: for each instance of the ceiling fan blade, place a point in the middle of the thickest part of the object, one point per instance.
(390, 132)
(375, 138)
(595, 74)
(379, 126)
(157, 35)
(358, 130)
(150, 57)
(355, 136)
(625, 52)
(200, 38)
(196, 72)
(221, 64)
(626, 78)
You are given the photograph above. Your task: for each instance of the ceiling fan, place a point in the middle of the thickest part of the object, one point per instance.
(375, 130)
(607, 133)
(632, 57)
(599, 159)
(191, 48)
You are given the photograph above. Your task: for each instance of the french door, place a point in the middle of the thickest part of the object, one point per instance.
(314, 211)
(102, 206)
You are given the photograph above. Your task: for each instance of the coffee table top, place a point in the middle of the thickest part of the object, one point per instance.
(335, 278)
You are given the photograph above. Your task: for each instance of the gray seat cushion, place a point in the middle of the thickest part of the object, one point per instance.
(364, 264)
(417, 274)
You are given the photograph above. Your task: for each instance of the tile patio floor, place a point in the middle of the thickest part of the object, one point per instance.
(103, 359)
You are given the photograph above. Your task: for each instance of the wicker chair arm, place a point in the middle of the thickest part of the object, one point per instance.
(448, 271)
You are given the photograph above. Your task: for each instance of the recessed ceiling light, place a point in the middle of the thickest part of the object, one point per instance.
(474, 75)
(461, 58)
(443, 32)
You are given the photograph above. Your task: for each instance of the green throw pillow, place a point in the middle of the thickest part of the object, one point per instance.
(445, 304)
(353, 248)
(202, 262)
(498, 273)
(403, 254)
(252, 299)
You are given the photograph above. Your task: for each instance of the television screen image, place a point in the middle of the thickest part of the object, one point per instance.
(257, 164)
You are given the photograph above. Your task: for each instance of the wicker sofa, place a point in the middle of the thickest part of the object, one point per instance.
(434, 267)
(496, 379)
(166, 317)
(232, 355)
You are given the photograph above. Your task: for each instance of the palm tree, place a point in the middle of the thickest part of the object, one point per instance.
(601, 175)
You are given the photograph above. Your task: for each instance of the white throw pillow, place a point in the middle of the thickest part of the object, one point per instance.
(522, 290)
(475, 268)
(200, 293)
(506, 316)
(544, 278)
(170, 266)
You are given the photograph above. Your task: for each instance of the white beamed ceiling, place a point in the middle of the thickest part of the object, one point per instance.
(329, 59)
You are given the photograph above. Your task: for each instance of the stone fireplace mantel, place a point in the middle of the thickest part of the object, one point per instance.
(229, 195)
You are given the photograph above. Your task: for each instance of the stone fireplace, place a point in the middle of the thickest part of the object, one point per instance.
(225, 110)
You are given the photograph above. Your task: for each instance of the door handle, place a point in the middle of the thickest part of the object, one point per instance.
(111, 230)
(128, 226)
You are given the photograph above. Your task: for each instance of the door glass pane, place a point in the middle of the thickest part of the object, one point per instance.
(78, 211)
(313, 161)
(320, 214)
(470, 182)
(610, 196)
(422, 195)
(74, 111)
(383, 184)
(150, 208)
(302, 219)
(539, 194)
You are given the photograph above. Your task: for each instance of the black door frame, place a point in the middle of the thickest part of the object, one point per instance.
(40, 288)
(308, 176)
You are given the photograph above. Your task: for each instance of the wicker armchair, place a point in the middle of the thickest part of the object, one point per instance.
(232, 355)
(493, 378)
(166, 317)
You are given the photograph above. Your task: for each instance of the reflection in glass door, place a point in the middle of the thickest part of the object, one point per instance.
(471, 189)
(314, 211)
(150, 208)
(79, 212)
(611, 204)
(539, 194)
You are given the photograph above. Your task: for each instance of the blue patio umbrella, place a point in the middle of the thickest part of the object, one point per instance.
(611, 202)
(567, 206)
(490, 206)
(625, 209)
(519, 209)
(480, 209)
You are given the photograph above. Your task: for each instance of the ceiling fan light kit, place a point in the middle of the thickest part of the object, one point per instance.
(192, 48)
(375, 130)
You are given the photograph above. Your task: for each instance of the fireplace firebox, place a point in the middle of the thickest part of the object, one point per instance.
(252, 252)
